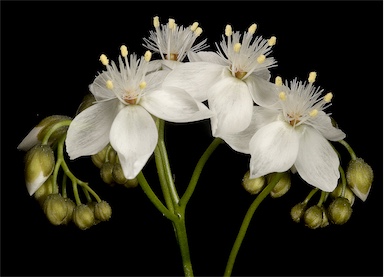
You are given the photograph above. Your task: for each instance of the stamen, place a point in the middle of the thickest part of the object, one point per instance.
(124, 51)
(278, 81)
(228, 30)
(147, 56)
(194, 26)
(143, 84)
(252, 28)
(171, 24)
(312, 77)
(282, 96)
(261, 58)
(198, 31)
(272, 41)
(156, 22)
(237, 47)
(109, 84)
(328, 97)
(313, 113)
(104, 60)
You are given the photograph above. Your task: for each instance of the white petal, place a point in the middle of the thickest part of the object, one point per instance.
(232, 104)
(273, 148)
(134, 137)
(88, 133)
(261, 117)
(170, 64)
(205, 56)
(263, 92)
(323, 124)
(195, 77)
(99, 90)
(30, 140)
(317, 162)
(171, 104)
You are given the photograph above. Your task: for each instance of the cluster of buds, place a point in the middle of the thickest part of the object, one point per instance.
(255, 185)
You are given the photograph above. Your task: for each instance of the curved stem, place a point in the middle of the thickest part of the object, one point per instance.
(198, 169)
(349, 148)
(247, 220)
(343, 181)
(54, 128)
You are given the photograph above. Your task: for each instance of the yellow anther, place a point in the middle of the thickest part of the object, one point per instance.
(237, 47)
(124, 50)
(314, 112)
(147, 56)
(198, 31)
(109, 84)
(278, 81)
(272, 41)
(328, 97)
(171, 23)
(261, 58)
(143, 84)
(282, 96)
(104, 60)
(228, 30)
(312, 77)
(194, 26)
(252, 28)
(156, 22)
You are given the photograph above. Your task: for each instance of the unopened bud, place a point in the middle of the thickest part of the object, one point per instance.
(44, 190)
(297, 211)
(103, 211)
(83, 217)
(282, 186)
(359, 178)
(254, 185)
(99, 158)
(340, 210)
(70, 208)
(55, 208)
(325, 221)
(313, 217)
(88, 100)
(131, 183)
(118, 174)
(106, 173)
(347, 193)
(39, 165)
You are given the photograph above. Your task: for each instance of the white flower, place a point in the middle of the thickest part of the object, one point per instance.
(231, 79)
(127, 98)
(293, 133)
(174, 42)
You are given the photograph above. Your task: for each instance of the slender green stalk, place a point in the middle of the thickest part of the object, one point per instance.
(247, 220)
(181, 234)
(343, 181)
(53, 129)
(349, 148)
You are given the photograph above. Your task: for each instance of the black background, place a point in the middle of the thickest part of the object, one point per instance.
(49, 56)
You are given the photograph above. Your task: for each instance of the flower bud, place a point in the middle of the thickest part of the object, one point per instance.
(347, 193)
(83, 217)
(340, 210)
(254, 185)
(39, 165)
(297, 211)
(88, 101)
(118, 174)
(359, 178)
(99, 158)
(103, 211)
(282, 186)
(131, 183)
(106, 173)
(313, 217)
(92, 205)
(44, 190)
(55, 208)
(70, 208)
(325, 221)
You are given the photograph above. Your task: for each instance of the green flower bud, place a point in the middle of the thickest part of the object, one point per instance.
(340, 210)
(254, 185)
(313, 217)
(92, 205)
(325, 221)
(55, 208)
(359, 178)
(88, 101)
(103, 211)
(297, 211)
(113, 158)
(131, 183)
(118, 174)
(70, 208)
(282, 186)
(106, 173)
(44, 190)
(99, 158)
(83, 217)
(347, 193)
(39, 165)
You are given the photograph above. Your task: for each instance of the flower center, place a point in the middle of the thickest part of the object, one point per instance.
(172, 57)
(240, 74)
(294, 118)
(130, 97)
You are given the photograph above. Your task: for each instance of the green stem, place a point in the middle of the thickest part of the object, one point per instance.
(343, 181)
(53, 129)
(181, 234)
(312, 192)
(198, 169)
(247, 220)
(349, 148)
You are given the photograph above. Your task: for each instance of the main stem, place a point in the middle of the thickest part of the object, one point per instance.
(247, 220)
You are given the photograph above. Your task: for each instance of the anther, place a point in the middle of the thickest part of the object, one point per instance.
(278, 81)
(261, 58)
(124, 51)
(142, 85)
(109, 84)
(313, 113)
(312, 77)
(194, 26)
(171, 23)
(252, 28)
(104, 60)
(156, 22)
(328, 97)
(147, 56)
(198, 31)
(228, 30)
(282, 96)
(237, 47)
(272, 41)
